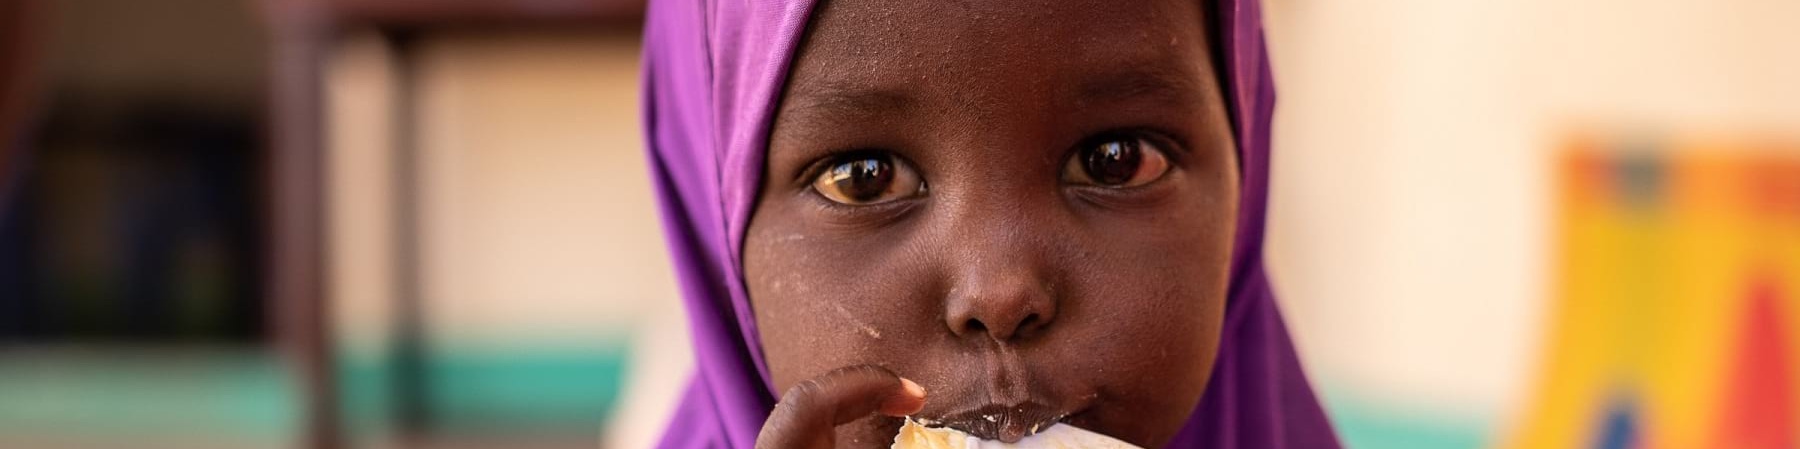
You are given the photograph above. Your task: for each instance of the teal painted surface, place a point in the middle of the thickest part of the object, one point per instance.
(496, 389)
(247, 394)
(526, 389)
(365, 384)
(1370, 424)
(237, 394)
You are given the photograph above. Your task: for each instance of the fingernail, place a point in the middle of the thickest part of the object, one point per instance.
(912, 388)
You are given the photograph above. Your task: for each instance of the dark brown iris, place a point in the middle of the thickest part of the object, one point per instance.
(862, 180)
(1113, 162)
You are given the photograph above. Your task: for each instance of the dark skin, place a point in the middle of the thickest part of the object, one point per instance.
(1027, 208)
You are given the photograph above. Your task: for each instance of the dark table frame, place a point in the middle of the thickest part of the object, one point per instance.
(18, 76)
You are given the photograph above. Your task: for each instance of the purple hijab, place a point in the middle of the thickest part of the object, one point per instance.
(713, 73)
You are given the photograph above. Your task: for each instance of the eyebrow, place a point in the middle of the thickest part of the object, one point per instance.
(831, 103)
(840, 102)
(1162, 83)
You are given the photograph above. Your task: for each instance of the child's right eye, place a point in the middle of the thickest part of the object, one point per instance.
(867, 179)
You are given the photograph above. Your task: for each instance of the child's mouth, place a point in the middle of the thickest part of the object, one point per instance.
(1006, 423)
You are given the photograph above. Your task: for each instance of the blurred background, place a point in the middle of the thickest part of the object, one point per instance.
(428, 224)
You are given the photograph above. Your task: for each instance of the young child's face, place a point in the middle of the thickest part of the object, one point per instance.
(1027, 207)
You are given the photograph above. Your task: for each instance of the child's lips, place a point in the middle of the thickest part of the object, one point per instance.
(1007, 423)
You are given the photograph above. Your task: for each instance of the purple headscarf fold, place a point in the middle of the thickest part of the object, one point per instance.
(713, 72)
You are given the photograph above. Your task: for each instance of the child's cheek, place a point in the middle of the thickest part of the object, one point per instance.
(822, 303)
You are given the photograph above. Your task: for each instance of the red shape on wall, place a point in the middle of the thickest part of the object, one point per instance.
(1757, 412)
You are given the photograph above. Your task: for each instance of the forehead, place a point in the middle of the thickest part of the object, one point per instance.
(960, 50)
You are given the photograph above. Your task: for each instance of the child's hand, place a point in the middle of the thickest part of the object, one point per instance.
(810, 411)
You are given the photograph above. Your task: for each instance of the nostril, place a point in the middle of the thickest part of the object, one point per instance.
(1003, 310)
(1029, 322)
(974, 326)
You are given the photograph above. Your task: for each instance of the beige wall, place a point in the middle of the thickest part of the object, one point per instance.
(540, 223)
(536, 210)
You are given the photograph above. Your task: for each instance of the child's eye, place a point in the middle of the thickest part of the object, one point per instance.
(868, 179)
(1123, 161)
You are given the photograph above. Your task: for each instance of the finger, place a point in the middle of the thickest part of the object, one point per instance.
(809, 411)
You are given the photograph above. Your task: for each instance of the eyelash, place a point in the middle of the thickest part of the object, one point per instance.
(1178, 149)
(819, 166)
(833, 158)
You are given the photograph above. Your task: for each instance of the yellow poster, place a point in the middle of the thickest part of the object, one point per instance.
(1675, 299)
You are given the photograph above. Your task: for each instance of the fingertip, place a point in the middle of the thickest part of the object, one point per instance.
(910, 400)
(913, 389)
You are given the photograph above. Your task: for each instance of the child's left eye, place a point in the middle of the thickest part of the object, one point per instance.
(1123, 161)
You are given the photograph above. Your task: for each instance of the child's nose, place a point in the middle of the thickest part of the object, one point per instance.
(1006, 307)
